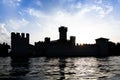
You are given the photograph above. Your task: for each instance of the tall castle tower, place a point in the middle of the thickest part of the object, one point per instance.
(19, 43)
(72, 40)
(63, 33)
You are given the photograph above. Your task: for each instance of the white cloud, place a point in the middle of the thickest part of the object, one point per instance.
(35, 13)
(102, 11)
(4, 34)
(17, 24)
(84, 24)
(87, 23)
(12, 3)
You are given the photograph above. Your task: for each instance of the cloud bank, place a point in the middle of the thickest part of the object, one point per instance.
(85, 19)
(4, 34)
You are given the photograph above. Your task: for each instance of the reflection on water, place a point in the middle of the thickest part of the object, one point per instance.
(88, 68)
(20, 67)
(5, 67)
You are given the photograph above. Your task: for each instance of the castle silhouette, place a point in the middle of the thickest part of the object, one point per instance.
(4, 49)
(62, 47)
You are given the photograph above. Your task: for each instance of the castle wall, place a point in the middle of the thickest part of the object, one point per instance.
(4, 49)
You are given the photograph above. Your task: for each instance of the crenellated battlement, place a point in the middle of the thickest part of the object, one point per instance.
(19, 35)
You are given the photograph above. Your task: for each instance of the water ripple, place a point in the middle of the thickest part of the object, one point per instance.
(42, 68)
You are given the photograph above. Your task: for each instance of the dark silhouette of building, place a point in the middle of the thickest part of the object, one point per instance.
(63, 34)
(61, 47)
(114, 49)
(58, 47)
(4, 49)
(20, 44)
(102, 44)
(117, 49)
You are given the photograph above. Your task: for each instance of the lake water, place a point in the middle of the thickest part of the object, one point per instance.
(80, 68)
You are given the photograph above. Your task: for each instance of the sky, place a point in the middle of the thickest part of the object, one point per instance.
(85, 19)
